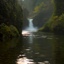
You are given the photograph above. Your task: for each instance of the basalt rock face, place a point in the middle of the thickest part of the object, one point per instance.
(45, 12)
(10, 19)
(59, 7)
(25, 20)
(39, 10)
(43, 16)
(56, 22)
(11, 13)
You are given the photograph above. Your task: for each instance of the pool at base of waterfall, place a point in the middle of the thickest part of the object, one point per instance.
(39, 48)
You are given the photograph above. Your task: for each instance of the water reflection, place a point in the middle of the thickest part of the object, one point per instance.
(36, 49)
(24, 60)
(30, 38)
(32, 53)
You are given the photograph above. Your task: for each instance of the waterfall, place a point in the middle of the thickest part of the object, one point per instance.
(28, 31)
(31, 27)
(31, 23)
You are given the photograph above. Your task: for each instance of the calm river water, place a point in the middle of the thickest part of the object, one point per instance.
(38, 48)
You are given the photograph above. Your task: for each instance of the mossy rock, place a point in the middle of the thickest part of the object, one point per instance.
(8, 31)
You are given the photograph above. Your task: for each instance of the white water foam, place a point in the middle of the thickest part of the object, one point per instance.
(31, 27)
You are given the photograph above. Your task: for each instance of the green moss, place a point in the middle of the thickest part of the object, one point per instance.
(8, 31)
(56, 22)
(11, 13)
(56, 25)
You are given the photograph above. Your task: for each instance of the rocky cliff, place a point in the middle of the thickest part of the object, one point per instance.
(39, 10)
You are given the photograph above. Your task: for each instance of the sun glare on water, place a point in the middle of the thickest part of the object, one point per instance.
(24, 60)
(26, 33)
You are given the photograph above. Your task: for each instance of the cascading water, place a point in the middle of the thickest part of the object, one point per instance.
(30, 23)
(31, 28)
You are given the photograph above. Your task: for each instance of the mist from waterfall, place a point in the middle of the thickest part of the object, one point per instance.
(31, 27)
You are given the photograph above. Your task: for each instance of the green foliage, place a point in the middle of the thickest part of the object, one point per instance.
(10, 19)
(8, 31)
(39, 7)
(56, 24)
(11, 13)
(59, 7)
(14, 30)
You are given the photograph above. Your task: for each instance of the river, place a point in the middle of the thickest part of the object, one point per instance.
(38, 48)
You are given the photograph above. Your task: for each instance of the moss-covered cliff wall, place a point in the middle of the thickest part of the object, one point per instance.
(10, 15)
(56, 22)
